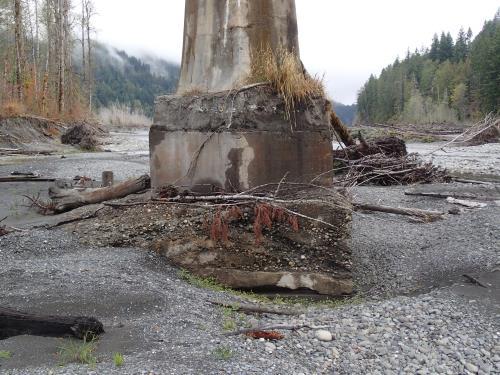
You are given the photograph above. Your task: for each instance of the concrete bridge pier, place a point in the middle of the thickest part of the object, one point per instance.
(239, 139)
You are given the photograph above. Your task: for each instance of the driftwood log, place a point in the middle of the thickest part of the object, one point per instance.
(16, 323)
(388, 146)
(425, 215)
(68, 199)
(26, 179)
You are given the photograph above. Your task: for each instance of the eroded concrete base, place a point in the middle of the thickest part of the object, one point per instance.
(315, 258)
(236, 161)
(236, 140)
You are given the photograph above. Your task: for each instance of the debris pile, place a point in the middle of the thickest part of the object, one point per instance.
(380, 169)
(82, 134)
(387, 146)
(383, 161)
(486, 131)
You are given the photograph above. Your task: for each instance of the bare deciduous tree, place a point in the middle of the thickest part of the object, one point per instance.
(18, 34)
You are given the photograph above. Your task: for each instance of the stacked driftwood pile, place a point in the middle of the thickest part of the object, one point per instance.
(385, 170)
(383, 161)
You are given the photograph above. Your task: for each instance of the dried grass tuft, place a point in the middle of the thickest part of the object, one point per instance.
(285, 73)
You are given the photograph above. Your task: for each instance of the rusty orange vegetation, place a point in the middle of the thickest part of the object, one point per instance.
(266, 335)
(265, 216)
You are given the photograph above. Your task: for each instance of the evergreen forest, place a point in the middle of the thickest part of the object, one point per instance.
(452, 81)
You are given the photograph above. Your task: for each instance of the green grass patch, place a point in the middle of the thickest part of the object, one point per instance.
(78, 352)
(212, 284)
(202, 282)
(229, 324)
(118, 359)
(4, 354)
(223, 353)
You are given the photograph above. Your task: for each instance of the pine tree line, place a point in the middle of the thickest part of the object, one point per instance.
(37, 40)
(451, 82)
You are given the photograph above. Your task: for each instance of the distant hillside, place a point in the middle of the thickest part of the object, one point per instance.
(135, 82)
(451, 82)
(346, 113)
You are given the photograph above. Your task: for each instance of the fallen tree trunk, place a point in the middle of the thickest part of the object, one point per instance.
(341, 130)
(26, 179)
(15, 323)
(425, 215)
(68, 199)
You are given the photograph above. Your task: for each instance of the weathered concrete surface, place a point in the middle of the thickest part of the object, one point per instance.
(258, 108)
(321, 283)
(237, 140)
(231, 161)
(220, 35)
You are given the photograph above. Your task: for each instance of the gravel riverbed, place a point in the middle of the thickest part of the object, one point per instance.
(415, 313)
(164, 325)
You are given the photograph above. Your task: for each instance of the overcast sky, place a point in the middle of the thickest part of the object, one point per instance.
(344, 40)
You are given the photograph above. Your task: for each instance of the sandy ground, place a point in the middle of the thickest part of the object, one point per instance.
(418, 314)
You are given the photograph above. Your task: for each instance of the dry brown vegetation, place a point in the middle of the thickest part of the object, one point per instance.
(12, 108)
(286, 75)
(122, 116)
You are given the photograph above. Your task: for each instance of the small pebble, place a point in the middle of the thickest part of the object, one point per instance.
(323, 335)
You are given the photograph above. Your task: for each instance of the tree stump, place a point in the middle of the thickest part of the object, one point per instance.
(107, 179)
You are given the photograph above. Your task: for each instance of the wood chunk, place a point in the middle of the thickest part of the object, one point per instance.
(466, 203)
(16, 323)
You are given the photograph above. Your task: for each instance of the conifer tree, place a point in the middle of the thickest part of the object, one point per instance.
(461, 48)
(445, 47)
(434, 51)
